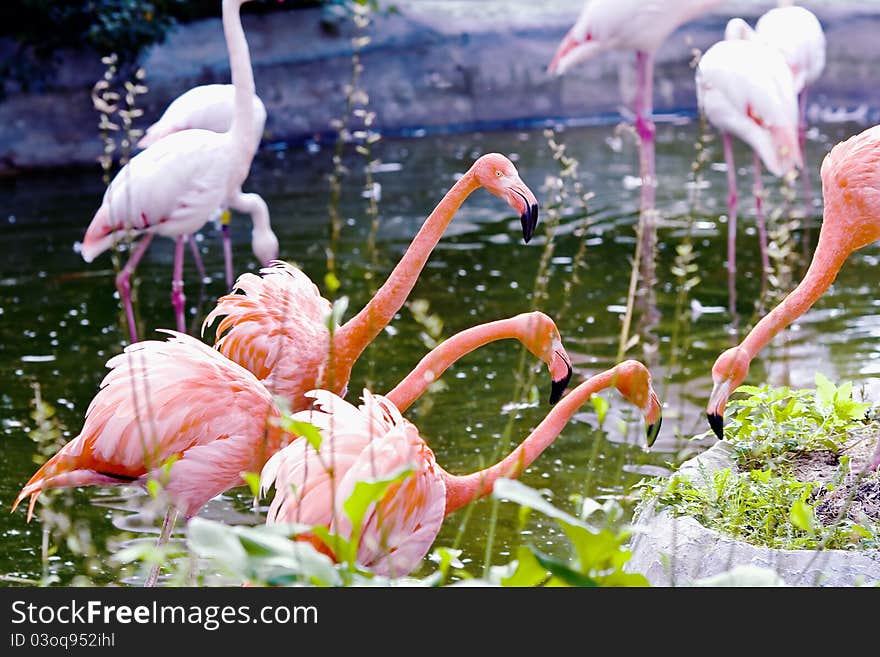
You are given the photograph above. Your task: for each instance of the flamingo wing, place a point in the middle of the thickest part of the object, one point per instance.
(798, 35)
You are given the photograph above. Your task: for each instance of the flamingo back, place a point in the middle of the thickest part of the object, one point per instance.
(275, 325)
(797, 34)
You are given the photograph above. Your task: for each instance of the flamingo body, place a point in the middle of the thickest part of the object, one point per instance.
(798, 35)
(745, 88)
(170, 189)
(275, 325)
(178, 399)
(375, 441)
(208, 107)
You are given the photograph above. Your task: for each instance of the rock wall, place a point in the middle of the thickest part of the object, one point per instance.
(431, 64)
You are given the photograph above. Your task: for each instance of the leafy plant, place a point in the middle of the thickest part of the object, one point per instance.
(761, 501)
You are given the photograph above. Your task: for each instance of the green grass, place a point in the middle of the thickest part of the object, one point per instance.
(760, 501)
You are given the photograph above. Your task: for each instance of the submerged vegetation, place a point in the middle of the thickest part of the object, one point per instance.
(764, 499)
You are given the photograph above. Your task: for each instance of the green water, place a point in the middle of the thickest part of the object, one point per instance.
(60, 321)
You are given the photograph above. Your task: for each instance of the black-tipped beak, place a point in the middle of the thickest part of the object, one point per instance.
(653, 430)
(557, 388)
(529, 220)
(717, 423)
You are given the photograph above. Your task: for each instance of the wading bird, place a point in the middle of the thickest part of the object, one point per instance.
(176, 185)
(375, 441)
(275, 325)
(639, 25)
(798, 35)
(212, 107)
(182, 414)
(851, 191)
(745, 88)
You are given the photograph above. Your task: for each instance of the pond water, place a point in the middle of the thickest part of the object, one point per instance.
(61, 321)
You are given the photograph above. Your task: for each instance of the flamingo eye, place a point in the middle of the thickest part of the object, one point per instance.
(498, 172)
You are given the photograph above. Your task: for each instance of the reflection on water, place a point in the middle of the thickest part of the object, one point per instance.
(61, 320)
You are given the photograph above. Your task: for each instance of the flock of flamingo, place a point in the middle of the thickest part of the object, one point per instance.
(197, 418)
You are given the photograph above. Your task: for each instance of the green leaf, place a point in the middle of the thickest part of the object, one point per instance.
(305, 429)
(366, 493)
(825, 391)
(529, 572)
(252, 479)
(802, 516)
(563, 571)
(331, 281)
(601, 405)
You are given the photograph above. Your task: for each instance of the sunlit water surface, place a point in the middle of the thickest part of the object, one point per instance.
(60, 320)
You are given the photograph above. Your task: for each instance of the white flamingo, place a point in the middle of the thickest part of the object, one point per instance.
(745, 88)
(211, 107)
(640, 25)
(176, 185)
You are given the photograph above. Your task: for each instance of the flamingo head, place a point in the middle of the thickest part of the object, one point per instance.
(544, 342)
(577, 46)
(264, 244)
(738, 30)
(729, 371)
(633, 381)
(498, 175)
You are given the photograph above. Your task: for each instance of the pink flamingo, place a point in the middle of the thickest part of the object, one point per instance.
(851, 190)
(211, 107)
(181, 413)
(745, 88)
(278, 327)
(640, 25)
(797, 34)
(177, 184)
(376, 441)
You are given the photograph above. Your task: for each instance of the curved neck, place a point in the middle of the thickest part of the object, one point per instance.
(241, 72)
(827, 261)
(352, 338)
(461, 490)
(438, 360)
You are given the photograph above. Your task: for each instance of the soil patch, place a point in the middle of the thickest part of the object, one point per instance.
(850, 491)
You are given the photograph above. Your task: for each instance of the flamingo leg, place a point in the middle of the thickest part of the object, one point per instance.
(758, 190)
(123, 283)
(227, 254)
(197, 257)
(164, 535)
(178, 299)
(645, 126)
(875, 459)
(731, 221)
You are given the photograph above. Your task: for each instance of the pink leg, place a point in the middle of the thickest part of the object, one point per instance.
(802, 142)
(197, 257)
(645, 126)
(123, 283)
(731, 222)
(875, 459)
(227, 254)
(758, 191)
(178, 299)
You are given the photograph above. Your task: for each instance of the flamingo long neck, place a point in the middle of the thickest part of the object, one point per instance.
(464, 489)
(242, 80)
(352, 338)
(438, 360)
(827, 261)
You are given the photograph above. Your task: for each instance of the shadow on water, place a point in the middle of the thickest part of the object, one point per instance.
(60, 320)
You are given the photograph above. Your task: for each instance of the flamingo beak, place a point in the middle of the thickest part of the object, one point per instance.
(715, 408)
(524, 201)
(653, 419)
(560, 373)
